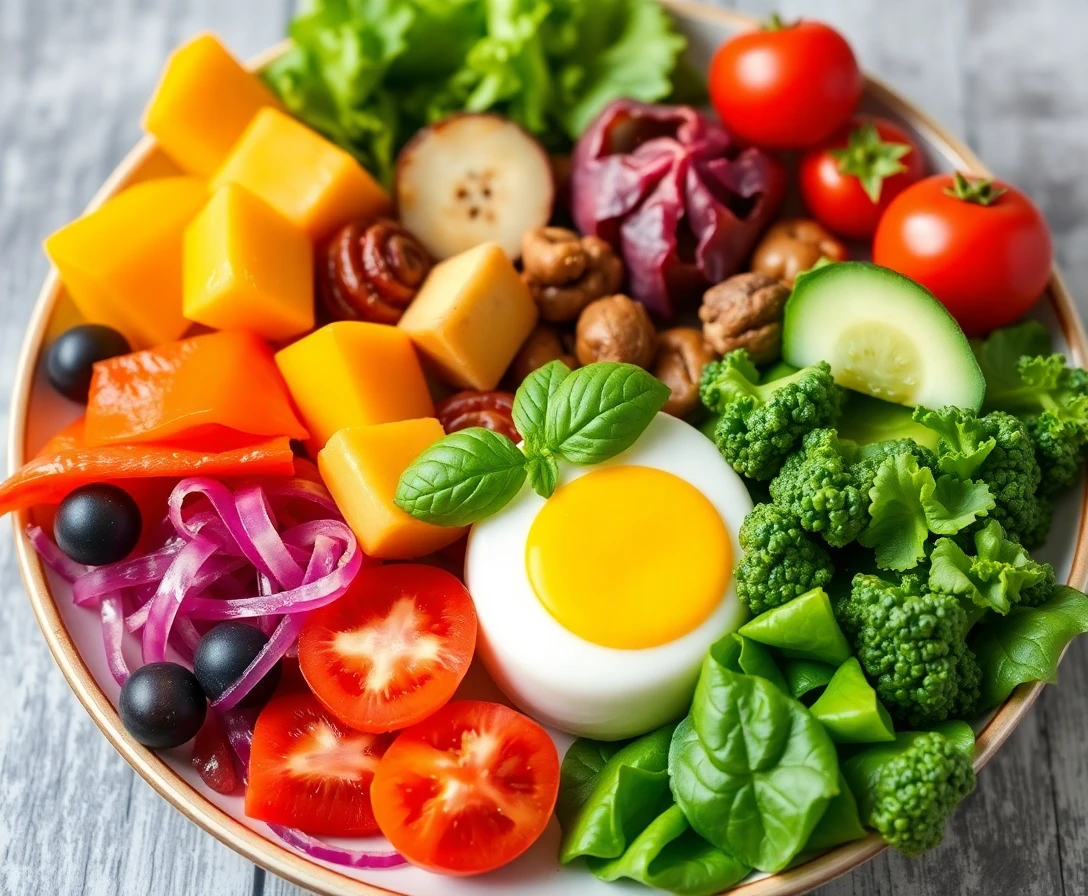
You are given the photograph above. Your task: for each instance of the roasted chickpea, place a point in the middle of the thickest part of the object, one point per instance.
(545, 344)
(682, 353)
(793, 246)
(745, 311)
(565, 271)
(616, 328)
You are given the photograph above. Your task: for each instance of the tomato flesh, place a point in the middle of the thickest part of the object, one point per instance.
(213, 757)
(393, 649)
(308, 770)
(468, 790)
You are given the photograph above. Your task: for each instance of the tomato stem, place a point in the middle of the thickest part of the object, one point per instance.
(774, 23)
(870, 159)
(978, 190)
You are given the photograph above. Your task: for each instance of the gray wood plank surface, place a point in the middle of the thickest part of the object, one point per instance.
(1012, 77)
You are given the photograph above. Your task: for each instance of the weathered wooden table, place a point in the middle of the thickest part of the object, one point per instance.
(1009, 75)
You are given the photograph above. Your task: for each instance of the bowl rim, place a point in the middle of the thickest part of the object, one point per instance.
(323, 879)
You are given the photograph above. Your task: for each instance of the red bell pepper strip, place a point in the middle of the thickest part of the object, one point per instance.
(224, 385)
(66, 463)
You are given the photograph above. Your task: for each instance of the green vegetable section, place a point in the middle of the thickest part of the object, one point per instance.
(369, 73)
(882, 334)
(805, 629)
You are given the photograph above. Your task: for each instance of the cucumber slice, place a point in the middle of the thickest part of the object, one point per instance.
(883, 335)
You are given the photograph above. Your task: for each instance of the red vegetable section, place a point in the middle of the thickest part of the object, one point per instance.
(393, 649)
(468, 790)
(675, 194)
(213, 758)
(66, 462)
(221, 388)
(310, 771)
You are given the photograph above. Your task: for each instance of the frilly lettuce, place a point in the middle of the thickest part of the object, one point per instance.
(369, 73)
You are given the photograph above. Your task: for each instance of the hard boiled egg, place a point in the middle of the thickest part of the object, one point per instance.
(597, 605)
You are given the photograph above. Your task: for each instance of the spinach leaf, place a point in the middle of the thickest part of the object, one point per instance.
(850, 710)
(839, 824)
(531, 400)
(1027, 644)
(669, 855)
(803, 628)
(626, 795)
(600, 410)
(751, 768)
(462, 478)
(578, 775)
(803, 676)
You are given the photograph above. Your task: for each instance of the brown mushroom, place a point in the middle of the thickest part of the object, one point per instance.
(682, 353)
(616, 328)
(793, 246)
(745, 311)
(543, 345)
(565, 271)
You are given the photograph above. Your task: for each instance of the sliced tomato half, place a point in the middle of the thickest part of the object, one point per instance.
(468, 790)
(310, 771)
(393, 649)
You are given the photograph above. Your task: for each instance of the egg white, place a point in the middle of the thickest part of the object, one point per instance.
(561, 679)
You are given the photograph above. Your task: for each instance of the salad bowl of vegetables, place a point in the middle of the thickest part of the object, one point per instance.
(494, 463)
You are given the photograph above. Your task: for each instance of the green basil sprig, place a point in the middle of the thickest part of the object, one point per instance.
(584, 417)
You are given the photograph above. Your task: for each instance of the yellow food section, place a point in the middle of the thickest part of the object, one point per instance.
(315, 185)
(362, 466)
(351, 374)
(471, 317)
(660, 551)
(202, 105)
(248, 267)
(122, 263)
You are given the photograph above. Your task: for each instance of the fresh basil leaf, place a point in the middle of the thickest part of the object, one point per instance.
(1027, 644)
(531, 400)
(462, 478)
(600, 410)
(669, 855)
(626, 796)
(751, 768)
(543, 470)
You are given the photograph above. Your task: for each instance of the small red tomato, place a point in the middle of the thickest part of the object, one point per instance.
(393, 649)
(213, 757)
(848, 182)
(468, 790)
(980, 246)
(310, 771)
(785, 86)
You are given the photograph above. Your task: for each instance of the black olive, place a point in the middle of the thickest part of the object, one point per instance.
(162, 705)
(97, 524)
(224, 653)
(70, 359)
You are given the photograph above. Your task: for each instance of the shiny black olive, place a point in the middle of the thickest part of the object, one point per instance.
(162, 705)
(97, 524)
(71, 357)
(224, 653)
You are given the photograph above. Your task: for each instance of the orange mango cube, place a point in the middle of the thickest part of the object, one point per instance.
(248, 267)
(471, 316)
(354, 374)
(362, 466)
(315, 185)
(203, 102)
(122, 263)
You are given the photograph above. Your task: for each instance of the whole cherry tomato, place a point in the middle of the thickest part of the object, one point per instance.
(786, 86)
(980, 246)
(848, 181)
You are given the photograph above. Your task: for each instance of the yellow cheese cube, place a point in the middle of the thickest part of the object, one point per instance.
(354, 374)
(203, 102)
(315, 185)
(248, 267)
(122, 262)
(362, 467)
(471, 316)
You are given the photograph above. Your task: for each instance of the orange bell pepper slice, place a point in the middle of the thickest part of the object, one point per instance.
(66, 463)
(220, 388)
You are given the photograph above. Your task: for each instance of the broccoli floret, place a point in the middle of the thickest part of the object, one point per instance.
(870, 457)
(761, 424)
(1041, 591)
(816, 486)
(996, 449)
(781, 561)
(1035, 536)
(1052, 400)
(907, 789)
(911, 643)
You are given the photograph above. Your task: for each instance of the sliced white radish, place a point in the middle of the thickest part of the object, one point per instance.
(473, 179)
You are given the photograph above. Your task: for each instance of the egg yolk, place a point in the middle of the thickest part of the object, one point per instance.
(629, 557)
